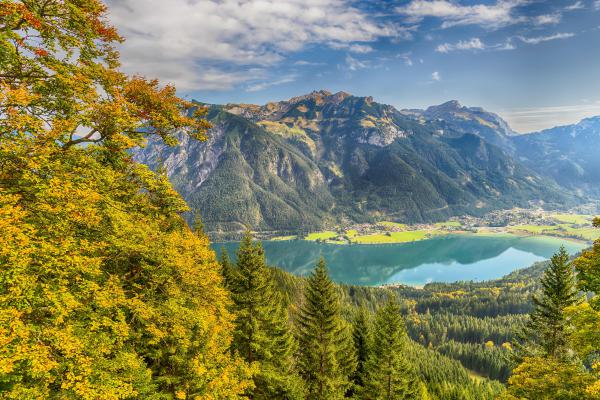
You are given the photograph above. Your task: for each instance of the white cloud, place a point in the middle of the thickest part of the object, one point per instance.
(304, 63)
(353, 48)
(540, 39)
(597, 5)
(406, 57)
(575, 6)
(353, 64)
(505, 46)
(186, 42)
(547, 19)
(473, 44)
(436, 76)
(453, 14)
(360, 48)
(264, 85)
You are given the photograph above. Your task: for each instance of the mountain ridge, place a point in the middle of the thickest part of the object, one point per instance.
(325, 158)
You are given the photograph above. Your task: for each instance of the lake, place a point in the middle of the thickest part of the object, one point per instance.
(441, 259)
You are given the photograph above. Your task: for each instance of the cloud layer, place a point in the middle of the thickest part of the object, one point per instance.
(216, 44)
(454, 14)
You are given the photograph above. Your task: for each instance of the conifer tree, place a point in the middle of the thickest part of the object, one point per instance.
(262, 334)
(198, 225)
(227, 268)
(361, 336)
(326, 349)
(389, 375)
(547, 333)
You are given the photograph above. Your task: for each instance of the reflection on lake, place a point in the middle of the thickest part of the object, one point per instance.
(441, 259)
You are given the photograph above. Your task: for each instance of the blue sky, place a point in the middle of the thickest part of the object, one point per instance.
(536, 63)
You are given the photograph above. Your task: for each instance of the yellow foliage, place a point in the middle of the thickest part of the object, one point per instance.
(104, 291)
(548, 378)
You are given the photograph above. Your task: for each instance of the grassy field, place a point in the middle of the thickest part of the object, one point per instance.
(394, 237)
(325, 235)
(278, 238)
(351, 233)
(565, 230)
(573, 218)
(568, 225)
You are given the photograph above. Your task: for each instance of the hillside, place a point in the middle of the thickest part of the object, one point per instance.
(449, 324)
(322, 158)
(569, 154)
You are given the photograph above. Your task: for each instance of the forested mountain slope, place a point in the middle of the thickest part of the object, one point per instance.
(314, 159)
(569, 154)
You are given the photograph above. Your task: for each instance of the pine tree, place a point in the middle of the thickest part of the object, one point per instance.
(262, 333)
(361, 335)
(326, 349)
(227, 268)
(389, 375)
(198, 225)
(547, 334)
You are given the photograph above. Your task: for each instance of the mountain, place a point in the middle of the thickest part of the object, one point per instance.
(458, 119)
(569, 154)
(322, 158)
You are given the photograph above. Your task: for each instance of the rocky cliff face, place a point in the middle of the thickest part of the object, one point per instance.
(323, 157)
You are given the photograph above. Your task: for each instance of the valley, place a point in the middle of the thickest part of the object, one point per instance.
(519, 222)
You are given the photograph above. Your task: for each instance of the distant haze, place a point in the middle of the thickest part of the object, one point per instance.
(527, 120)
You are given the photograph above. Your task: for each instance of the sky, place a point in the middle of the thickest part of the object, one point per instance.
(534, 62)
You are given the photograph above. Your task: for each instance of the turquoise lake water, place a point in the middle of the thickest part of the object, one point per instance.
(440, 259)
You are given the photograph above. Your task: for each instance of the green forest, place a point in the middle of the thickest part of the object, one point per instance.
(107, 293)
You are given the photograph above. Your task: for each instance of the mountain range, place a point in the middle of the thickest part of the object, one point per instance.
(325, 158)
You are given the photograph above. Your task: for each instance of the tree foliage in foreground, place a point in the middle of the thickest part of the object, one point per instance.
(327, 358)
(562, 334)
(262, 333)
(389, 375)
(105, 293)
(547, 332)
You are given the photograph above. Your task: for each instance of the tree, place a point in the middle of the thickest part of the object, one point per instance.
(362, 338)
(262, 334)
(548, 378)
(227, 269)
(549, 368)
(198, 224)
(389, 375)
(585, 317)
(326, 352)
(547, 332)
(104, 291)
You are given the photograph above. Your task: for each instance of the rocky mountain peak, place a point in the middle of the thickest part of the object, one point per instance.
(449, 106)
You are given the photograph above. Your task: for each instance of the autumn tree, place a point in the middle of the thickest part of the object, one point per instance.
(262, 333)
(105, 292)
(326, 350)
